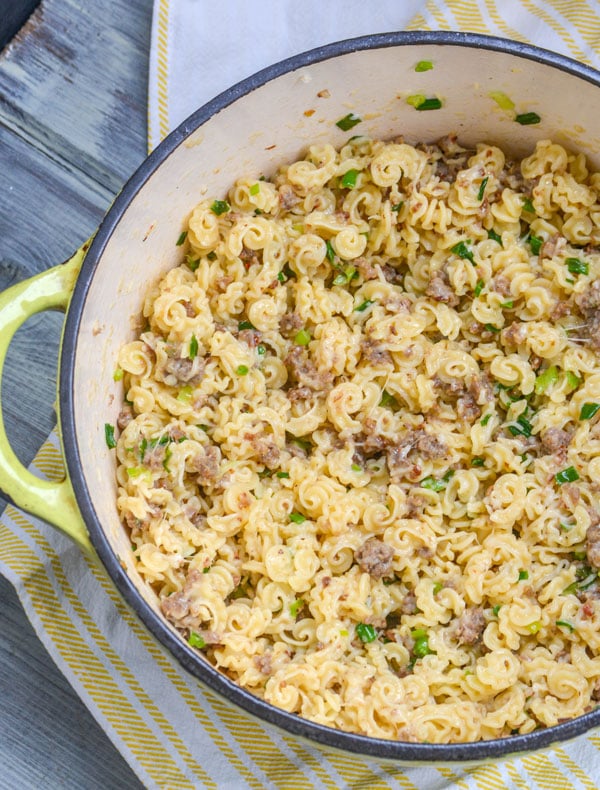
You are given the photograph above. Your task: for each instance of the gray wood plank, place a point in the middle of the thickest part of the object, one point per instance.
(37, 706)
(72, 129)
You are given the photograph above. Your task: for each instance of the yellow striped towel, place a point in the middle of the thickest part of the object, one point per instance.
(174, 733)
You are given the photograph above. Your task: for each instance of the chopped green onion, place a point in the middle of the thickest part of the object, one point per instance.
(546, 379)
(344, 277)
(523, 575)
(348, 180)
(479, 287)
(462, 250)
(577, 266)
(302, 338)
(588, 410)
(260, 349)
(566, 527)
(212, 255)
(245, 325)
(192, 262)
(242, 370)
(281, 277)
(528, 206)
(143, 448)
(297, 518)
(195, 640)
(502, 100)
(356, 468)
(348, 122)
(492, 328)
(181, 239)
(220, 207)
(420, 102)
(436, 483)
(566, 624)
(397, 206)
(527, 118)
(573, 380)
(283, 475)
(387, 399)
(184, 395)
(254, 189)
(494, 236)
(424, 65)
(568, 475)
(118, 374)
(522, 427)
(496, 609)
(109, 435)
(570, 280)
(482, 187)
(296, 606)
(366, 633)
(534, 627)
(477, 462)
(363, 306)
(330, 251)
(437, 586)
(485, 419)
(508, 305)
(136, 471)
(193, 347)
(535, 243)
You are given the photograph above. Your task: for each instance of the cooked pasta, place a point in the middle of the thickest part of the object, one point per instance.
(359, 457)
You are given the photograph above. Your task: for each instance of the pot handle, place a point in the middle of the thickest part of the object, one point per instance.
(53, 502)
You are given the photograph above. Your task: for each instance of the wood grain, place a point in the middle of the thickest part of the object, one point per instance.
(73, 86)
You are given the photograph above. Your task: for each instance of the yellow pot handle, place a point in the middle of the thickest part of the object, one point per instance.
(54, 502)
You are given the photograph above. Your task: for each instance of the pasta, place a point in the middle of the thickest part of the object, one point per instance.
(360, 449)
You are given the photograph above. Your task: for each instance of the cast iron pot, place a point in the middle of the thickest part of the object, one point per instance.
(254, 127)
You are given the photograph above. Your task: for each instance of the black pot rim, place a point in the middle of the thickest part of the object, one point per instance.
(404, 753)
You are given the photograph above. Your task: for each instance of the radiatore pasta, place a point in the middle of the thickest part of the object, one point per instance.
(359, 457)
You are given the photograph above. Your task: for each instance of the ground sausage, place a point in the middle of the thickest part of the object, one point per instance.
(287, 197)
(264, 663)
(468, 409)
(409, 604)
(431, 447)
(589, 304)
(176, 606)
(305, 372)
(206, 465)
(439, 290)
(266, 451)
(181, 370)
(375, 558)
(125, 416)
(251, 337)
(470, 626)
(554, 440)
(365, 268)
(290, 322)
(375, 353)
(515, 334)
(592, 545)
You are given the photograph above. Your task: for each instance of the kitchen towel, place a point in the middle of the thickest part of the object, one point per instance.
(172, 732)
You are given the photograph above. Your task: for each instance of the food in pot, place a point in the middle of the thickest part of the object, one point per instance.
(360, 451)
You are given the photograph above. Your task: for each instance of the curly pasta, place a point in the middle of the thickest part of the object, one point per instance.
(360, 449)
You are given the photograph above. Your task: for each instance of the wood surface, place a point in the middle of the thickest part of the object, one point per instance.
(73, 88)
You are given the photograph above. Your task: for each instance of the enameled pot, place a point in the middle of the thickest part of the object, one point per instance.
(254, 127)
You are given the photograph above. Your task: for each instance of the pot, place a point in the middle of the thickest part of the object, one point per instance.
(257, 125)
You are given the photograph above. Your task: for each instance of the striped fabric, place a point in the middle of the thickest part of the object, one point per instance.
(173, 733)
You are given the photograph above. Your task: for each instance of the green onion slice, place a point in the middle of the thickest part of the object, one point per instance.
(479, 287)
(437, 483)
(296, 606)
(528, 118)
(302, 338)
(193, 347)
(182, 238)
(528, 206)
(348, 122)
(363, 306)
(494, 236)
(577, 266)
(566, 624)
(482, 187)
(424, 65)
(568, 475)
(297, 518)
(255, 189)
(502, 100)
(535, 243)
(348, 180)
(546, 379)
(521, 427)
(366, 633)
(283, 475)
(195, 640)
(588, 410)
(242, 370)
(220, 207)
(523, 575)
(463, 251)
(109, 435)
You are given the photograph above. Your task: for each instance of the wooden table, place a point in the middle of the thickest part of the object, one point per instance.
(73, 87)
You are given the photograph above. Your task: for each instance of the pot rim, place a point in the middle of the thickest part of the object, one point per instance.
(192, 662)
